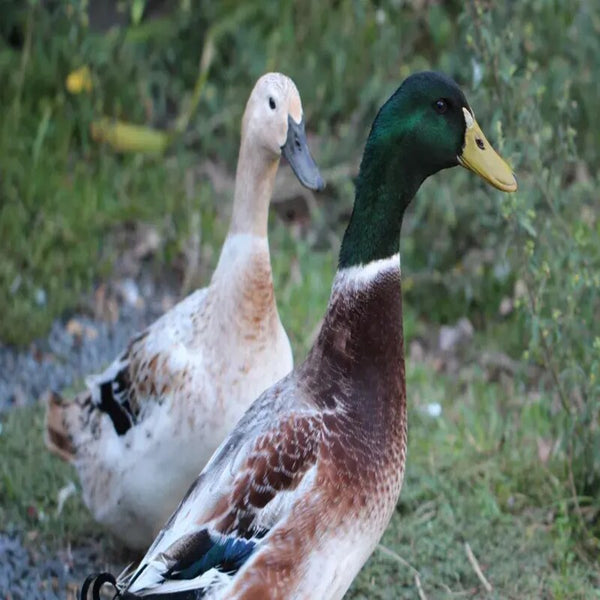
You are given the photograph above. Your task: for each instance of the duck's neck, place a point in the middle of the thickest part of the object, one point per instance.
(384, 189)
(361, 341)
(243, 278)
(254, 181)
(364, 317)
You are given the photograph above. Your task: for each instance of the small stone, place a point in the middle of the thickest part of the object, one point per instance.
(129, 292)
(167, 302)
(15, 285)
(91, 333)
(452, 336)
(506, 306)
(74, 328)
(434, 409)
(416, 351)
(148, 243)
(520, 289)
(40, 297)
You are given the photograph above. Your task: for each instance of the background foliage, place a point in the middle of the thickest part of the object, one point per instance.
(532, 74)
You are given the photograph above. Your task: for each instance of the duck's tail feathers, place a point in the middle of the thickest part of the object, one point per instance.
(61, 419)
(97, 581)
(185, 595)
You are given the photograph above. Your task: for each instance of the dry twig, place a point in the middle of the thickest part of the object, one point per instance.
(405, 563)
(420, 591)
(486, 584)
(396, 557)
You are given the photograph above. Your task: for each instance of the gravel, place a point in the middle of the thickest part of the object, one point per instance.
(30, 572)
(27, 574)
(74, 348)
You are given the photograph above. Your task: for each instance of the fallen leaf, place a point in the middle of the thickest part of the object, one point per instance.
(544, 449)
(506, 306)
(32, 535)
(74, 328)
(63, 495)
(126, 137)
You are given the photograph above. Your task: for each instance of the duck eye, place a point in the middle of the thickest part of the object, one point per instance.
(272, 103)
(441, 106)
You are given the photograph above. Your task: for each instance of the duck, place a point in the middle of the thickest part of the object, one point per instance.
(145, 427)
(297, 497)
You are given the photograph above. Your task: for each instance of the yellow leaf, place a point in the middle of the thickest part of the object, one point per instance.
(79, 80)
(125, 137)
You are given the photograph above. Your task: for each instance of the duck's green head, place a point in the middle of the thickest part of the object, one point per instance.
(427, 125)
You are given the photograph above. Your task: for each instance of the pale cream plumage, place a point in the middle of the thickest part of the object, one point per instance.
(146, 426)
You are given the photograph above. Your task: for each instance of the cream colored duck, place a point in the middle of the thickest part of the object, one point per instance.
(295, 500)
(145, 427)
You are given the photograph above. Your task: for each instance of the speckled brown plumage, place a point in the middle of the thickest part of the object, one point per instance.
(355, 375)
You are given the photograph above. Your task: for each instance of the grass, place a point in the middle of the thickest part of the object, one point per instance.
(31, 480)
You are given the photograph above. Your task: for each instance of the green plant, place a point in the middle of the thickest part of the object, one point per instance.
(551, 225)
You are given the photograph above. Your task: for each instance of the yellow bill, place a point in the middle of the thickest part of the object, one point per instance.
(479, 157)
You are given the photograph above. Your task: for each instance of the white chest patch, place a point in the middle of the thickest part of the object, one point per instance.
(360, 276)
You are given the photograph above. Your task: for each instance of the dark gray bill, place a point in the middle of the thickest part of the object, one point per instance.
(298, 155)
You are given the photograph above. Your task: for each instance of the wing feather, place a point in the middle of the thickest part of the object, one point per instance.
(228, 513)
(145, 371)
